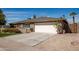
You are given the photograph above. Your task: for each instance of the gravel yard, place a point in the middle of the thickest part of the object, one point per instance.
(61, 42)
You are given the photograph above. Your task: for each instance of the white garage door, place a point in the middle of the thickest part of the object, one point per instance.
(46, 29)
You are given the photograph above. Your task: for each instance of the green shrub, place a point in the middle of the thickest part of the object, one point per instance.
(15, 30)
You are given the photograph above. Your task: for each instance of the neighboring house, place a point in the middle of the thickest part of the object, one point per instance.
(43, 24)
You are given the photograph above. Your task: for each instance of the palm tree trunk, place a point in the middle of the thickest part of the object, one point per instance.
(74, 24)
(73, 19)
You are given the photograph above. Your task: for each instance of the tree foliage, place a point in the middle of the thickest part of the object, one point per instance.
(73, 14)
(2, 18)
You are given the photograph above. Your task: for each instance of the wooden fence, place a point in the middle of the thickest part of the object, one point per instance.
(74, 28)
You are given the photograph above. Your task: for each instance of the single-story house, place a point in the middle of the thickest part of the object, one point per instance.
(43, 24)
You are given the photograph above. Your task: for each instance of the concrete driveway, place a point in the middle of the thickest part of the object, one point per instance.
(30, 39)
(40, 42)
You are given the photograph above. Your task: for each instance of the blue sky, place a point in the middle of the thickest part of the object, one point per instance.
(17, 14)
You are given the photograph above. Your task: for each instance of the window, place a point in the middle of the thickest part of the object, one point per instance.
(26, 26)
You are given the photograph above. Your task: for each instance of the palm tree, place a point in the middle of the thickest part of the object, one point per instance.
(73, 14)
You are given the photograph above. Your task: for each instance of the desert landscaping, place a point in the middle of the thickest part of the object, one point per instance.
(37, 42)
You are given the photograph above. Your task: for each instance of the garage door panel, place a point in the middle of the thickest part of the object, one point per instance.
(45, 29)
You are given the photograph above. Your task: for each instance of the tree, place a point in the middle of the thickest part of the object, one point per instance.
(34, 16)
(2, 19)
(64, 17)
(73, 14)
(11, 25)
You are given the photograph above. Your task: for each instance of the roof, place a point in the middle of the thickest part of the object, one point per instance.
(39, 19)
